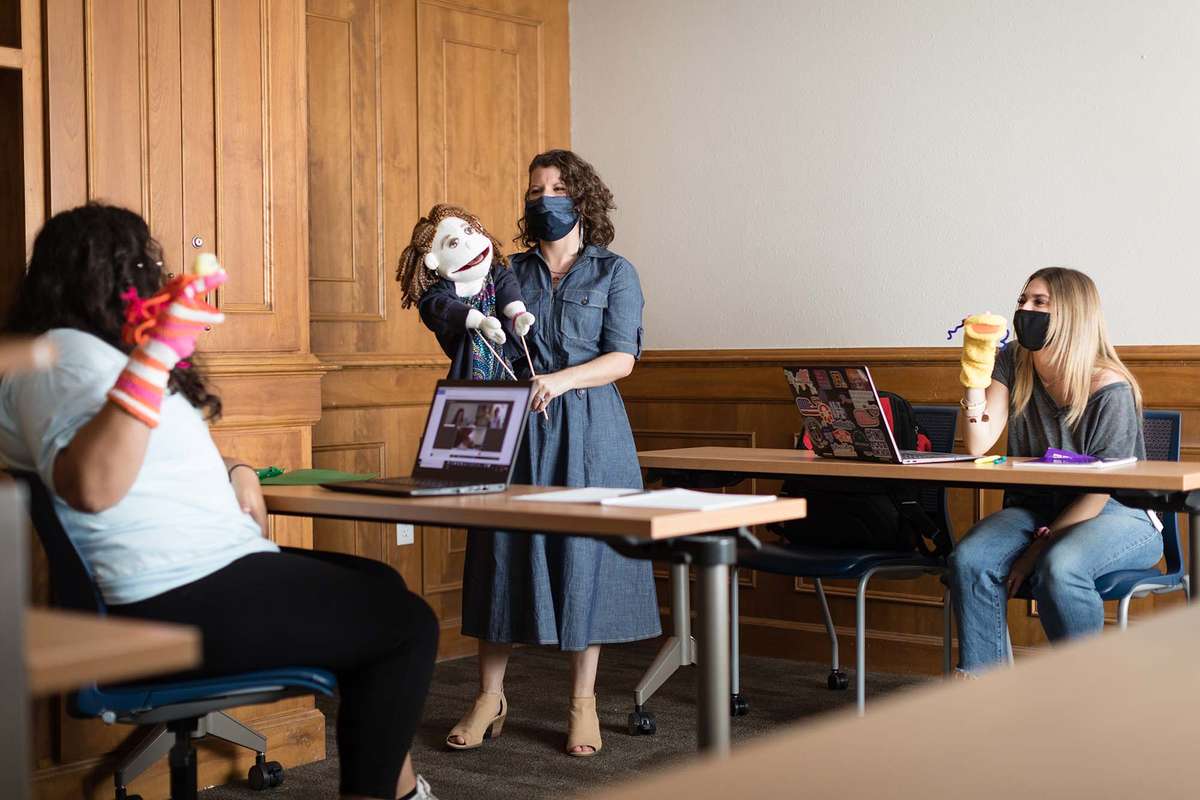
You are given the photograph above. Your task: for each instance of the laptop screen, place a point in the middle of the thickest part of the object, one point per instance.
(473, 430)
(841, 412)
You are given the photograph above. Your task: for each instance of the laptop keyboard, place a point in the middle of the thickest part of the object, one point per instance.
(921, 455)
(420, 483)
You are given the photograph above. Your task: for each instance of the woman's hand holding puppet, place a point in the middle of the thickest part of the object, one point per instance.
(163, 330)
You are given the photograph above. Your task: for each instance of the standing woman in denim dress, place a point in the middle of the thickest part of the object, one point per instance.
(572, 592)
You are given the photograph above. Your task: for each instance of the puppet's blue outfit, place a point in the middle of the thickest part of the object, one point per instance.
(445, 313)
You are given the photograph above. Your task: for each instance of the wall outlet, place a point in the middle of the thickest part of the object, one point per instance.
(404, 534)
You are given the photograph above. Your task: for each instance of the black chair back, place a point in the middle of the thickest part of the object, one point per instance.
(71, 583)
(940, 424)
(1162, 431)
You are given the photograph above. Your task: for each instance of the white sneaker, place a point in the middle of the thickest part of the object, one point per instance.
(423, 790)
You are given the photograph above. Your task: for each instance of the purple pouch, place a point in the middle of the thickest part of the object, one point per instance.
(1055, 456)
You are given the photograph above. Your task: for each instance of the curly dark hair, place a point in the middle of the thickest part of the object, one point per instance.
(593, 199)
(83, 259)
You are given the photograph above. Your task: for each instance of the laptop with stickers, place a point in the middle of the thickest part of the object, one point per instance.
(843, 417)
(470, 443)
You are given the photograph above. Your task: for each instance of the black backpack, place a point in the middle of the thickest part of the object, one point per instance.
(867, 515)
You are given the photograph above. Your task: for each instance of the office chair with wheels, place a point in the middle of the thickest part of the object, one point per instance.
(1162, 430)
(178, 710)
(820, 563)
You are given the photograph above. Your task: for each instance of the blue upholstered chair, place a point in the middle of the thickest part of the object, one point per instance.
(820, 563)
(178, 710)
(1162, 431)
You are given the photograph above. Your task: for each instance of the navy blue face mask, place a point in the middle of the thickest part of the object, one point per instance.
(549, 219)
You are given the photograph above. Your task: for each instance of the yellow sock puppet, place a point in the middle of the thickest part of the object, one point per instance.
(981, 335)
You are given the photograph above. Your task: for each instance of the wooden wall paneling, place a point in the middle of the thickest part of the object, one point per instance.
(401, 130)
(291, 445)
(478, 72)
(443, 554)
(191, 113)
(66, 115)
(198, 141)
(12, 184)
(347, 536)
(348, 319)
(260, 151)
(345, 168)
(10, 24)
(164, 104)
(115, 54)
(32, 117)
(734, 391)
(370, 438)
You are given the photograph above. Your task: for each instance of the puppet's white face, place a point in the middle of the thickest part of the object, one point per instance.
(460, 252)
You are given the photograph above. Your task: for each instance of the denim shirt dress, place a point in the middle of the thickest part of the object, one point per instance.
(563, 590)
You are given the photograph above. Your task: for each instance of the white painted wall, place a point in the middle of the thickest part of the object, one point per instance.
(809, 173)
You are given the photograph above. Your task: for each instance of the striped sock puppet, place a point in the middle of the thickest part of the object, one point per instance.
(163, 330)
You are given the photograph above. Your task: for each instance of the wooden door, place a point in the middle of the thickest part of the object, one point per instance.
(480, 111)
(190, 112)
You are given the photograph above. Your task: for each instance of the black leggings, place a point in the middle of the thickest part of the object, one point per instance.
(351, 615)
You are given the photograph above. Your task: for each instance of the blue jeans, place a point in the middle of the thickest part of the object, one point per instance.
(1063, 582)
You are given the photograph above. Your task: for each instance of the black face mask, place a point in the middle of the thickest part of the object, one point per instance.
(1032, 328)
(549, 219)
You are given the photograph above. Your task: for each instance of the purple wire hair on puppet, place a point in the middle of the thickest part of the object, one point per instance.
(1003, 342)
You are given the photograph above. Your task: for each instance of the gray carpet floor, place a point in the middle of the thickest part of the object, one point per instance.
(527, 761)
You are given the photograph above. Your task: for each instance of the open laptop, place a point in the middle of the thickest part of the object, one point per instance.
(469, 445)
(843, 418)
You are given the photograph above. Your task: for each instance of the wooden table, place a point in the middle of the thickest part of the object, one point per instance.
(1160, 476)
(46, 651)
(64, 649)
(1109, 716)
(655, 533)
(1175, 487)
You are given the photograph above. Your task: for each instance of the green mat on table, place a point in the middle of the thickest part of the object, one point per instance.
(311, 477)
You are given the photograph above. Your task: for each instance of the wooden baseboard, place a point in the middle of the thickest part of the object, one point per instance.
(294, 737)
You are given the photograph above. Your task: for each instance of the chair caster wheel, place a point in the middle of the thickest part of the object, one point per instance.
(739, 706)
(837, 680)
(122, 796)
(265, 775)
(641, 723)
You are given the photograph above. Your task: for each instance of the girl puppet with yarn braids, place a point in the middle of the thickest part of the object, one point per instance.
(455, 273)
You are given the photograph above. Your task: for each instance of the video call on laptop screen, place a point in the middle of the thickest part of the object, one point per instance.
(474, 428)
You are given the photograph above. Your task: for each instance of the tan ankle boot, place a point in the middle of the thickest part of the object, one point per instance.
(483, 721)
(583, 727)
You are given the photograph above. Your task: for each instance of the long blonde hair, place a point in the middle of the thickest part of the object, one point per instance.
(1077, 344)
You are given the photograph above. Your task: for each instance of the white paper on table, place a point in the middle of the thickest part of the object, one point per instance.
(591, 494)
(688, 499)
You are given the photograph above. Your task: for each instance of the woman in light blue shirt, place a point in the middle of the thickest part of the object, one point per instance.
(173, 532)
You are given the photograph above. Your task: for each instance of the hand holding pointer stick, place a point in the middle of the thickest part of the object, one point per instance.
(504, 364)
(529, 360)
